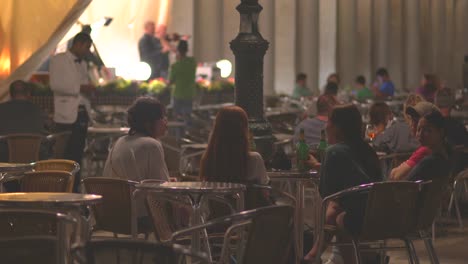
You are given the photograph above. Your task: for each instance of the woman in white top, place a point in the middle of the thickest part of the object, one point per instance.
(227, 158)
(139, 155)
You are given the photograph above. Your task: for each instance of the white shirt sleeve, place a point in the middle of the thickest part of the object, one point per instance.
(156, 163)
(256, 168)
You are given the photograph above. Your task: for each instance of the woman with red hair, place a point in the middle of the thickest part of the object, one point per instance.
(227, 158)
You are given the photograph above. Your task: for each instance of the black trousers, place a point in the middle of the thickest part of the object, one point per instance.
(76, 143)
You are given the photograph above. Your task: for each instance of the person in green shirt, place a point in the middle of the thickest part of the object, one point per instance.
(301, 90)
(182, 77)
(362, 92)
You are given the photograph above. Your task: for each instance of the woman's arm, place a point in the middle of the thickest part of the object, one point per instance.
(400, 173)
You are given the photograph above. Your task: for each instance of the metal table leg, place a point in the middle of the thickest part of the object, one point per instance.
(299, 220)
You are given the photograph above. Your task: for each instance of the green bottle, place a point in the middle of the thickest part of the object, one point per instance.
(302, 152)
(322, 146)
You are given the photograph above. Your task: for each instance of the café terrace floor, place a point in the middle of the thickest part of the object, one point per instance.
(451, 245)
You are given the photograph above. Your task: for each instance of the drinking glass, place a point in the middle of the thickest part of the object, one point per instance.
(370, 132)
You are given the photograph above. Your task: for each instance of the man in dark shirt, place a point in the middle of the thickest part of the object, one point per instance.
(19, 115)
(154, 51)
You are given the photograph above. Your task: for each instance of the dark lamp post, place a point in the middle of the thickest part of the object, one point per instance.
(249, 48)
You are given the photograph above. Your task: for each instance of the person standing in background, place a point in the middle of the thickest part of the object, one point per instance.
(429, 86)
(155, 50)
(301, 90)
(69, 81)
(182, 76)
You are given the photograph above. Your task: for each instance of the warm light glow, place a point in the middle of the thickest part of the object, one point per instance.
(5, 63)
(163, 9)
(139, 71)
(226, 68)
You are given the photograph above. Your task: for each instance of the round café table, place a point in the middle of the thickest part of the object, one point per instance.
(298, 178)
(198, 193)
(67, 203)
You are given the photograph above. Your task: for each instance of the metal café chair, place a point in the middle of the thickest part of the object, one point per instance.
(460, 182)
(262, 235)
(108, 251)
(23, 148)
(57, 164)
(35, 236)
(115, 213)
(390, 213)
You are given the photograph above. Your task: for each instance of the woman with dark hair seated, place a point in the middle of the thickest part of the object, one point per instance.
(431, 134)
(139, 155)
(349, 162)
(227, 158)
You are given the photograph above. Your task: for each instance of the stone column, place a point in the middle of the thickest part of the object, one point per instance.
(327, 39)
(383, 31)
(208, 35)
(182, 18)
(285, 45)
(267, 27)
(364, 39)
(411, 13)
(347, 29)
(307, 41)
(249, 48)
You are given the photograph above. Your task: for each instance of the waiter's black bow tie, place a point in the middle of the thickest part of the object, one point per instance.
(78, 60)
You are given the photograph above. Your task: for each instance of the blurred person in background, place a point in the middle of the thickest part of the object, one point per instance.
(429, 86)
(391, 135)
(182, 76)
(300, 89)
(383, 87)
(314, 125)
(362, 92)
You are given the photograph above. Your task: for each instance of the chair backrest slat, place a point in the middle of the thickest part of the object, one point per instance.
(47, 181)
(390, 210)
(270, 235)
(114, 213)
(23, 148)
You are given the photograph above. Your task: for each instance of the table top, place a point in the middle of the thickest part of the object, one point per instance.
(15, 167)
(293, 175)
(194, 187)
(108, 130)
(48, 198)
(124, 130)
(195, 146)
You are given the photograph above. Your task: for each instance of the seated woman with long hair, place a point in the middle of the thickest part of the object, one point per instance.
(349, 162)
(227, 158)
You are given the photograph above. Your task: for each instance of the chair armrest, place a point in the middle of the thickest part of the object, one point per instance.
(243, 216)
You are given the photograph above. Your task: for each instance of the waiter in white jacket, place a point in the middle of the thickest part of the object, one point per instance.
(69, 81)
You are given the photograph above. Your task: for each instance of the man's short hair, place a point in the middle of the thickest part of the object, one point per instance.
(19, 87)
(82, 38)
(331, 88)
(361, 80)
(301, 76)
(182, 47)
(382, 72)
(325, 103)
(378, 113)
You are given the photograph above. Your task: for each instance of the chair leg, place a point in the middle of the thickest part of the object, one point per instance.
(357, 253)
(431, 251)
(412, 257)
(457, 211)
(433, 231)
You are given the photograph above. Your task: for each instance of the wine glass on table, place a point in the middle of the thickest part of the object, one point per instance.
(370, 132)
